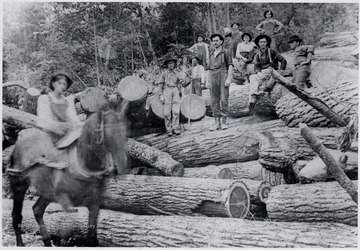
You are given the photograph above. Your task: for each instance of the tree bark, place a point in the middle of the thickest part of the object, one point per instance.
(244, 170)
(338, 39)
(172, 195)
(317, 202)
(314, 102)
(137, 150)
(199, 147)
(341, 98)
(117, 229)
(209, 172)
(30, 101)
(330, 162)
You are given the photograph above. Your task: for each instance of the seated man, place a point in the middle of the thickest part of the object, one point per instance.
(265, 61)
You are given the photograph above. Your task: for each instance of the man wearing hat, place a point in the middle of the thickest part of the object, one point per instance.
(221, 68)
(264, 61)
(201, 49)
(302, 54)
(170, 96)
(197, 76)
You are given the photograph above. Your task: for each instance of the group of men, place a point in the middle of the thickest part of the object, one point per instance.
(219, 63)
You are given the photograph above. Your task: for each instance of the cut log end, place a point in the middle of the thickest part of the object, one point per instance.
(264, 190)
(193, 107)
(156, 106)
(132, 88)
(93, 99)
(177, 170)
(239, 201)
(225, 173)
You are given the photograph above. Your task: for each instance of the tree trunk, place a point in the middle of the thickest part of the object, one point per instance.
(117, 229)
(30, 101)
(244, 170)
(239, 99)
(208, 172)
(227, 15)
(209, 19)
(274, 178)
(199, 147)
(92, 99)
(317, 202)
(171, 195)
(212, 18)
(329, 160)
(133, 89)
(151, 156)
(342, 98)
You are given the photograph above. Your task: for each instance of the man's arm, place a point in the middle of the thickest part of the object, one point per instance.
(309, 49)
(282, 61)
(256, 62)
(230, 68)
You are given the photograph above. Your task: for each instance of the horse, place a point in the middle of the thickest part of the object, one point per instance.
(74, 176)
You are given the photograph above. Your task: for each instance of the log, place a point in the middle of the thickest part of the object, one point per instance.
(316, 169)
(173, 195)
(137, 150)
(244, 170)
(339, 39)
(22, 84)
(182, 231)
(274, 178)
(340, 54)
(329, 160)
(133, 89)
(342, 98)
(314, 102)
(192, 107)
(209, 172)
(154, 158)
(30, 101)
(92, 99)
(317, 202)
(199, 147)
(239, 98)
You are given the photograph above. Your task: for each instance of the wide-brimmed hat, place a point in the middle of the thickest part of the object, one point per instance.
(61, 73)
(200, 36)
(246, 34)
(217, 35)
(257, 39)
(294, 38)
(171, 59)
(268, 11)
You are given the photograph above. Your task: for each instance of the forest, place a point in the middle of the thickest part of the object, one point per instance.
(99, 43)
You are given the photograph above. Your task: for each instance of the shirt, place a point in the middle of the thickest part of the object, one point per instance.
(262, 60)
(301, 52)
(169, 78)
(197, 72)
(222, 60)
(269, 26)
(244, 47)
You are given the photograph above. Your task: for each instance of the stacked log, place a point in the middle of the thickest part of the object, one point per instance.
(317, 202)
(209, 172)
(192, 107)
(341, 98)
(117, 229)
(92, 99)
(30, 101)
(173, 195)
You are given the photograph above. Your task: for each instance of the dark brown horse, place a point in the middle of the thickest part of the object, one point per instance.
(72, 177)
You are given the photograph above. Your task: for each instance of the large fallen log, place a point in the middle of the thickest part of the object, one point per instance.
(342, 98)
(117, 229)
(317, 202)
(329, 160)
(209, 172)
(339, 39)
(239, 98)
(244, 170)
(137, 150)
(172, 195)
(199, 147)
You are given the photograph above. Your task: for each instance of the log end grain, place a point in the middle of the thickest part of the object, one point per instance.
(264, 190)
(132, 88)
(177, 170)
(156, 106)
(193, 107)
(93, 99)
(225, 173)
(238, 203)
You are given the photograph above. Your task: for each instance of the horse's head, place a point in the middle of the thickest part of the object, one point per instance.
(105, 131)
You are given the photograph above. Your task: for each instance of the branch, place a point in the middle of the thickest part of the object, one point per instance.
(329, 160)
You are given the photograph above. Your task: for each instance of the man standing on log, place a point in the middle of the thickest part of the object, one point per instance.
(302, 54)
(170, 96)
(197, 76)
(221, 69)
(264, 62)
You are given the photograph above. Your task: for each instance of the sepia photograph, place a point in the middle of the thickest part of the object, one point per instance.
(180, 124)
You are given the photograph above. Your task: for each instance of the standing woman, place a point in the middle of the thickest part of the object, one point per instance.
(270, 27)
(56, 113)
(245, 54)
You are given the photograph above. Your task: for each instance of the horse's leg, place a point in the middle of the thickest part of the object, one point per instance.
(18, 187)
(92, 239)
(39, 209)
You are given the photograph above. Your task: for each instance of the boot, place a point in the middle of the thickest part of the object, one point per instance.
(217, 124)
(223, 123)
(250, 109)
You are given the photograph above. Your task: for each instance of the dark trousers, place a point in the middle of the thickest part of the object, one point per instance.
(219, 93)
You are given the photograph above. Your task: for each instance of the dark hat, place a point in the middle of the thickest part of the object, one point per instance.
(54, 77)
(217, 35)
(268, 11)
(257, 39)
(236, 24)
(246, 34)
(170, 60)
(294, 38)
